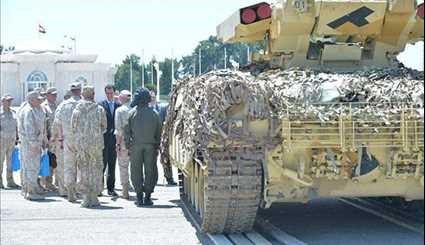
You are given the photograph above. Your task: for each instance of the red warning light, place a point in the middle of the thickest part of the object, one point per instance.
(420, 11)
(254, 13)
(264, 11)
(248, 16)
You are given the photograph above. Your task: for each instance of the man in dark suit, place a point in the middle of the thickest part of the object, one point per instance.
(109, 150)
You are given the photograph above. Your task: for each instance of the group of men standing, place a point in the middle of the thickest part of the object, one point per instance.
(83, 139)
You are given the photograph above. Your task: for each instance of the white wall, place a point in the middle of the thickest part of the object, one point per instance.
(60, 75)
(9, 81)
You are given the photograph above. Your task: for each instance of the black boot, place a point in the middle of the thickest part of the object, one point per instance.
(170, 181)
(139, 201)
(147, 200)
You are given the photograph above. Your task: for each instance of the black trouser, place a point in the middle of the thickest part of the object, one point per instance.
(109, 160)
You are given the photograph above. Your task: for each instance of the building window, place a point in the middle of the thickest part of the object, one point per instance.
(37, 79)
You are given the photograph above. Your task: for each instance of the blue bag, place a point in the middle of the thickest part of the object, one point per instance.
(44, 165)
(16, 159)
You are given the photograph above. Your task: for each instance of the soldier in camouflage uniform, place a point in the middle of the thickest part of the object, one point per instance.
(63, 122)
(165, 161)
(32, 132)
(56, 144)
(57, 148)
(8, 135)
(88, 124)
(142, 138)
(121, 121)
(50, 107)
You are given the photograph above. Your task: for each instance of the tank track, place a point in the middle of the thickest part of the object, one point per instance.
(232, 190)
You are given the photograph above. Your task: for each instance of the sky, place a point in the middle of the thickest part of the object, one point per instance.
(113, 29)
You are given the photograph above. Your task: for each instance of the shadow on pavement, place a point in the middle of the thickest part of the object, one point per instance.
(102, 207)
(199, 233)
(161, 206)
(46, 200)
(166, 185)
(12, 188)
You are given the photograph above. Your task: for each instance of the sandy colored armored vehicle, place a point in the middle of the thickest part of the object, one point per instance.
(325, 111)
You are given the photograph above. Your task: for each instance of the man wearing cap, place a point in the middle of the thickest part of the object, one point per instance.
(18, 113)
(121, 121)
(8, 137)
(32, 132)
(63, 123)
(142, 138)
(50, 106)
(88, 123)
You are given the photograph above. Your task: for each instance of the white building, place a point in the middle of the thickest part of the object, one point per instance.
(38, 64)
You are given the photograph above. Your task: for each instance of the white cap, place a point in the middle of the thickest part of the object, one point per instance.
(125, 93)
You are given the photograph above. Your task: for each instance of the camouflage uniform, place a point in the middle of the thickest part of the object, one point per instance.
(165, 158)
(121, 121)
(50, 109)
(8, 127)
(57, 149)
(63, 121)
(32, 132)
(88, 125)
(19, 117)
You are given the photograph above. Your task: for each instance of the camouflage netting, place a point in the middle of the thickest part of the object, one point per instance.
(297, 94)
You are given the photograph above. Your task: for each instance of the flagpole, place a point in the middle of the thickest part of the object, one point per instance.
(157, 82)
(143, 68)
(225, 58)
(75, 45)
(200, 62)
(172, 66)
(131, 75)
(194, 66)
(152, 71)
(248, 58)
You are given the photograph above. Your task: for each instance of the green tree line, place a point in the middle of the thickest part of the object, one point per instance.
(212, 57)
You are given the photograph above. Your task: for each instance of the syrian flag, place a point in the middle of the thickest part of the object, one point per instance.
(41, 29)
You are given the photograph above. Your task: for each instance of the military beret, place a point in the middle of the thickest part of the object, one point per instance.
(75, 86)
(125, 93)
(7, 97)
(52, 90)
(34, 95)
(88, 89)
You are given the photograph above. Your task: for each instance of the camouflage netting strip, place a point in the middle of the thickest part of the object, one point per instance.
(294, 93)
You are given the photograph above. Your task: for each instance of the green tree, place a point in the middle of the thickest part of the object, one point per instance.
(166, 77)
(122, 77)
(212, 58)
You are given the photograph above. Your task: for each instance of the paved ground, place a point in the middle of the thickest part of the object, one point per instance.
(330, 221)
(117, 221)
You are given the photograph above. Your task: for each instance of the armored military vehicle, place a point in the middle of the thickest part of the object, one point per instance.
(325, 111)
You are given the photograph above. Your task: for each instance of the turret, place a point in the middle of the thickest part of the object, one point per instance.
(331, 34)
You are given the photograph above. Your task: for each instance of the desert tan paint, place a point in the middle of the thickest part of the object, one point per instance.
(294, 23)
(391, 25)
(297, 169)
